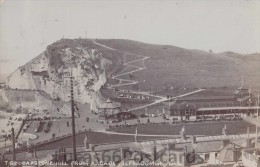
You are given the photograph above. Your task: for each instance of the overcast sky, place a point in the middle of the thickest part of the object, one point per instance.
(27, 27)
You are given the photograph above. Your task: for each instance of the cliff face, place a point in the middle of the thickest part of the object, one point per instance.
(50, 70)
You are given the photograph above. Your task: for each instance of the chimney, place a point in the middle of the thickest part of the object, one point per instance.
(193, 139)
(224, 130)
(136, 134)
(247, 132)
(248, 143)
(122, 154)
(86, 143)
(225, 142)
(154, 152)
(92, 152)
(127, 153)
(35, 154)
(168, 152)
(183, 133)
(235, 152)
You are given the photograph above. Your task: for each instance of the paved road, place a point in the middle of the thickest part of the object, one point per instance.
(164, 100)
(131, 134)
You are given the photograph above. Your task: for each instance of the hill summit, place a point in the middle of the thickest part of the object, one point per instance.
(50, 72)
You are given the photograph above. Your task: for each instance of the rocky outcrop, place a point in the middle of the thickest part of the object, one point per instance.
(50, 72)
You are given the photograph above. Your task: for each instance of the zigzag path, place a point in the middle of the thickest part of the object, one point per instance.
(124, 82)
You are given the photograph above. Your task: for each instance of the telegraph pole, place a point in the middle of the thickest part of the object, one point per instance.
(73, 118)
(72, 115)
(13, 142)
(72, 78)
(256, 126)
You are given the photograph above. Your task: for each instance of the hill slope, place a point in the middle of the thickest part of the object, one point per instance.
(179, 67)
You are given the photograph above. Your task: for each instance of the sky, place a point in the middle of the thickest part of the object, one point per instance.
(27, 27)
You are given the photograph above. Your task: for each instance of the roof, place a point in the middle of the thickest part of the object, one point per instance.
(243, 98)
(205, 104)
(206, 98)
(227, 153)
(183, 105)
(147, 149)
(110, 105)
(228, 108)
(112, 146)
(202, 147)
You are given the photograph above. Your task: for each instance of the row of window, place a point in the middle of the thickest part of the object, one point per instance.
(213, 112)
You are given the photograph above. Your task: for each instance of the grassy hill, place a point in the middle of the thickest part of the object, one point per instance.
(170, 66)
(252, 56)
(178, 67)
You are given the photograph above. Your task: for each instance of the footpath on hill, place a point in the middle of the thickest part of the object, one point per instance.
(140, 59)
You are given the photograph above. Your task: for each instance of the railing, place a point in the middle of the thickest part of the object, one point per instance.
(181, 140)
(57, 138)
(198, 139)
(20, 129)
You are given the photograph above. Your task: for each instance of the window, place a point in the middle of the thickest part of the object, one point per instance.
(215, 112)
(206, 157)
